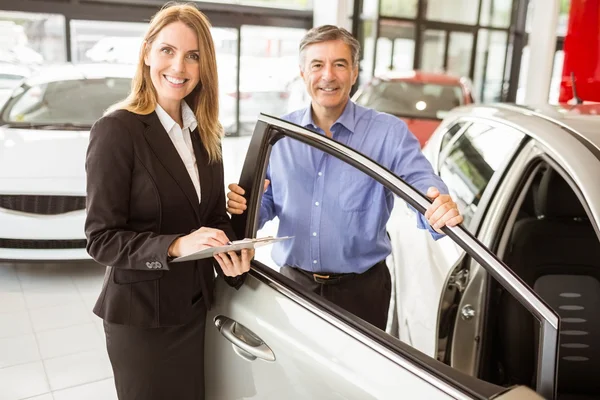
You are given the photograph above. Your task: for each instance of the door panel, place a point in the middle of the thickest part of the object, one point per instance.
(314, 358)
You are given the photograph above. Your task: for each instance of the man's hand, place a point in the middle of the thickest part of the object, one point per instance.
(443, 211)
(236, 202)
(200, 239)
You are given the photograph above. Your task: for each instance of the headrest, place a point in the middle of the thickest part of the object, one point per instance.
(555, 198)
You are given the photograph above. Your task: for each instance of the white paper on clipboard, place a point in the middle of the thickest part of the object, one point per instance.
(234, 246)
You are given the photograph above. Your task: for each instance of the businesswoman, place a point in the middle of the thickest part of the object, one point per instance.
(154, 174)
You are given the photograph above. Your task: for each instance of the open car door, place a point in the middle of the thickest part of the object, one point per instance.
(273, 339)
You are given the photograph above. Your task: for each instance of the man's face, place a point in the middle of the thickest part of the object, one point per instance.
(328, 74)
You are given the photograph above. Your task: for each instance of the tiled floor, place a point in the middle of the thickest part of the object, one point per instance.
(51, 344)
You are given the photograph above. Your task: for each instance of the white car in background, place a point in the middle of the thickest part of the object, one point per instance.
(11, 76)
(44, 131)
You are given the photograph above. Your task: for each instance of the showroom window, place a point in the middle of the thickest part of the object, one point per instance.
(496, 13)
(469, 38)
(296, 4)
(106, 41)
(269, 73)
(457, 11)
(403, 9)
(226, 44)
(395, 46)
(32, 39)
(489, 65)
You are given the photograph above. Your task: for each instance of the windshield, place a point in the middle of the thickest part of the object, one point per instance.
(72, 102)
(411, 99)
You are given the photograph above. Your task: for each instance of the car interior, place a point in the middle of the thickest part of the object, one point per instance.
(554, 248)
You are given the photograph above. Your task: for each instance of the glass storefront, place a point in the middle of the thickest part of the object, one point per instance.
(463, 38)
(402, 9)
(496, 13)
(106, 41)
(489, 65)
(269, 72)
(258, 74)
(31, 38)
(28, 41)
(456, 11)
(395, 46)
(296, 4)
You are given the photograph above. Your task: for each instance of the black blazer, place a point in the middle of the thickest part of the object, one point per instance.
(139, 199)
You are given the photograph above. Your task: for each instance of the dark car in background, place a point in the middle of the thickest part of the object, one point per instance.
(420, 99)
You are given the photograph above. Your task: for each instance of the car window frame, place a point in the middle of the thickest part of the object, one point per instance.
(269, 130)
(499, 173)
(443, 148)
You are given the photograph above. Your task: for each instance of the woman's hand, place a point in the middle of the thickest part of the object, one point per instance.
(200, 239)
(234, 265)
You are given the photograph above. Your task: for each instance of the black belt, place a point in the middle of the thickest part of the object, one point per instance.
(326, 278)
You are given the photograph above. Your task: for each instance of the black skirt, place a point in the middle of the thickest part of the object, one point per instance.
(158, 363)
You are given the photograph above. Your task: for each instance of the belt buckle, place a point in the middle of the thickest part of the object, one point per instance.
(318, 277)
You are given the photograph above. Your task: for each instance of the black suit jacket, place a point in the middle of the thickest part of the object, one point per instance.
(139, 199)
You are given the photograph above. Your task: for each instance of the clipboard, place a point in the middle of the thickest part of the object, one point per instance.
(234, 246)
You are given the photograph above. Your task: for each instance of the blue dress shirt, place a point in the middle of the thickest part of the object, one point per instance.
(336, 213)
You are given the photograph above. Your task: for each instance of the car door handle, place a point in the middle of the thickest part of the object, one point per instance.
(245, 343)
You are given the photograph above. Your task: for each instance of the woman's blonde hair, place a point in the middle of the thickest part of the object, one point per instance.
(203, 100)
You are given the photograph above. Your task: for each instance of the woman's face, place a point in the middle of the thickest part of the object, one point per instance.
(174, 60)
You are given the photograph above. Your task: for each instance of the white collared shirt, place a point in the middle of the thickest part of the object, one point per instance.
(182, 140)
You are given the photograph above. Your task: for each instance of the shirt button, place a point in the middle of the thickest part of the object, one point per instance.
(317, 203)
(314, 261)
(320, 174)
(314, 233)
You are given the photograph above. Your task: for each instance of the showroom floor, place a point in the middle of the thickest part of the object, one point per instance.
(51, 344)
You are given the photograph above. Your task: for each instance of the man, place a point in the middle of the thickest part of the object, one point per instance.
(336, 213)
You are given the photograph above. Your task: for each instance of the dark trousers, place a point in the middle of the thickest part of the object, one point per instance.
(158, 363)
(365, 295)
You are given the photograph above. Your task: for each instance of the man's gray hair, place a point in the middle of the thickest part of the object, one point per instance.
(325, 33)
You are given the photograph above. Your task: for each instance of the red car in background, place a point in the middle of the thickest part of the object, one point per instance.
(420, 99)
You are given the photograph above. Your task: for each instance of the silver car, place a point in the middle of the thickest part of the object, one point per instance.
(272, 339)
(526, 181)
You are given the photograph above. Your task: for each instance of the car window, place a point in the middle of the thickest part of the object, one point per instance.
(411, 99)
(79, 102)
(467, 166)
(10, 77)
(309, 207)
(450, 133)
(321, 244)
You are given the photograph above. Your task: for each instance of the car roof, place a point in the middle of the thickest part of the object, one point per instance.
(572, 139)
(420, 76)
(70, 71)
(585, 127)
(14, 69)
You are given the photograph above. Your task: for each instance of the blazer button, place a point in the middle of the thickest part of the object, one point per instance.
(154, 264)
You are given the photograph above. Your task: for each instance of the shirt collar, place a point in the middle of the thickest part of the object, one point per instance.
(346, 119)
(187, 115)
